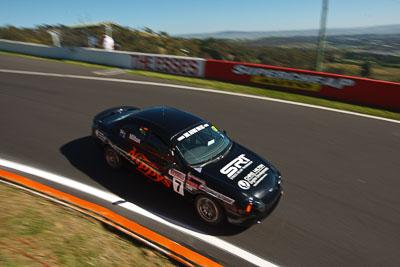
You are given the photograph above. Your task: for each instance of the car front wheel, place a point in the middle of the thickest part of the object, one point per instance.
(112, 158)
(209, 210)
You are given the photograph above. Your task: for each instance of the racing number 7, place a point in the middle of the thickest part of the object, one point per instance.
(178, 186)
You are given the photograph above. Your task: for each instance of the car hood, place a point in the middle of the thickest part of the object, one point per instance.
(242, 171)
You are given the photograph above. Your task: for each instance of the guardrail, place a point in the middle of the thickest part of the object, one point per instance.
(331, 86)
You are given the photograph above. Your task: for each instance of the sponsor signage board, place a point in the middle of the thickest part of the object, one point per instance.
(186, 66)
(331, 86)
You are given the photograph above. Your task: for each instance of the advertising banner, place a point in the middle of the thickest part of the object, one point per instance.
(337, 87)
(186, 66)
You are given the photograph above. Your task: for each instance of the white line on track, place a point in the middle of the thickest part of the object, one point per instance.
(108, 72)
(193, 88)
(212, 240)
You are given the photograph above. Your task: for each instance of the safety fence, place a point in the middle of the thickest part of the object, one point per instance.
(331, 86)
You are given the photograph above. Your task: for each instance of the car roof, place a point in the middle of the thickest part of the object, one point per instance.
(169, 121)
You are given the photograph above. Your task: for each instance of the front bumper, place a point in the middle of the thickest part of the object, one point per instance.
(256, 215)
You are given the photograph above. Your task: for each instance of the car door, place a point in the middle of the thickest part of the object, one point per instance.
(131, 137)
(162, 157)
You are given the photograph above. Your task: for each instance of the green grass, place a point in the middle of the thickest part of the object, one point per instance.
(385, 72)
(230, 87)
(55, 234)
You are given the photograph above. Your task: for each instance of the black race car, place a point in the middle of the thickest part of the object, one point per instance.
(191, 157)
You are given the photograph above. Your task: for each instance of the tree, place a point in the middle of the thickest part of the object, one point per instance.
(366, 69)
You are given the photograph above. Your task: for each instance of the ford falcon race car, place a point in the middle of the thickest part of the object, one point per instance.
(192, 158)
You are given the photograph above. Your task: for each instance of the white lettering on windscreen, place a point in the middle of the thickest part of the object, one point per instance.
(192, 131)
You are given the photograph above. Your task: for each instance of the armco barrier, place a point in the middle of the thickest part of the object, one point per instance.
(337, 87)
(187, 66)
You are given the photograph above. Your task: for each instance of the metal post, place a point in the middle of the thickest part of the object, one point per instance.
(321, 39)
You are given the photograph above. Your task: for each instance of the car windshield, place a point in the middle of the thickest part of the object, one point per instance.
(202, 144)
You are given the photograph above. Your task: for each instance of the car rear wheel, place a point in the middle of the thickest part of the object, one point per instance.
(112, 158)
(209, 210)
(98, 143)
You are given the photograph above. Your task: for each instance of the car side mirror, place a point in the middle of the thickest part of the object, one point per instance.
(224, 132)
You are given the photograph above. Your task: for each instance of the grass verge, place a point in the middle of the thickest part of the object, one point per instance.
(34, 231)
(230, 87)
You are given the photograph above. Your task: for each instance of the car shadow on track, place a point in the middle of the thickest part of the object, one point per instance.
(134, 187)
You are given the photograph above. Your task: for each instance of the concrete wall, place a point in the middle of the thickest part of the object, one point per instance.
(127, 60)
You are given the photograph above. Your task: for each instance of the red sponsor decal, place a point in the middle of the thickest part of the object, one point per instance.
(172, 65)
(194, 185)
(147, 168)
(194, 181)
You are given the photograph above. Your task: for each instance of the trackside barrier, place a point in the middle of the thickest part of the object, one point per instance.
(31, 49)
(186, 66)
(337, 87)
(331, 86)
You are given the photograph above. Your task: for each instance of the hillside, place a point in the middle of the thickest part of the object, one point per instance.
(374, 43)
(252, 35)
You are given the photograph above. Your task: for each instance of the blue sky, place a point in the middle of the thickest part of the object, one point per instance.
(178, 16)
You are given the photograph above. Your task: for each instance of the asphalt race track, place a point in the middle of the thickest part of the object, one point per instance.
(341, 172)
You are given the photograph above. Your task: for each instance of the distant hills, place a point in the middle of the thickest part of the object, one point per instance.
(253, 35)
(388, 44)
